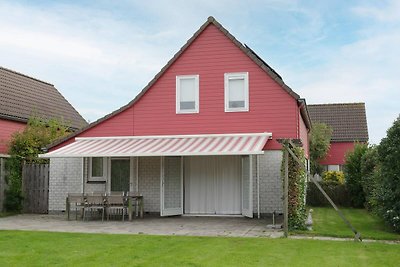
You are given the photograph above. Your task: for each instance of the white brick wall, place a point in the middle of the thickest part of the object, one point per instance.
(270, 182)
(149, 182)
(65, 176)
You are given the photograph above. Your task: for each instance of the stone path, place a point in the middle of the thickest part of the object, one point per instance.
(187, 226)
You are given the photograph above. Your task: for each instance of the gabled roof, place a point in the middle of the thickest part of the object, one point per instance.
(211, 20)
(348, 120)
(22, 97)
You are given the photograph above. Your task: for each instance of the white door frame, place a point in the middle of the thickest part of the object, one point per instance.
(170, 211)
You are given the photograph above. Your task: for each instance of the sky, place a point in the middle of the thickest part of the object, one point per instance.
(101, 54)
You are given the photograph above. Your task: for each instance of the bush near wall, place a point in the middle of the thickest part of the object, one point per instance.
(337, 192)
(333, 177)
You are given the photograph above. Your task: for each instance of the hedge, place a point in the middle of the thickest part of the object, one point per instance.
(337, 192)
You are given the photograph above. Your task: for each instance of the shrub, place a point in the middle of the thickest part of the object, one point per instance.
(333, 177)
(388, 192)
(353, 175)
(370, 177)
(297, 214)
(25, 146)
(337, 192)
(320, 138)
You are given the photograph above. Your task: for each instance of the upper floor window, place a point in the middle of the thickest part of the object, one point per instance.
(187, 94)
(236, 92)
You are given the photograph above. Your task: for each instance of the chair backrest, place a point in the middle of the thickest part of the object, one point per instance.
(97, 193)
(115, 200)
(95, 199)
(75, 197)
(116, 193)
(133, 194)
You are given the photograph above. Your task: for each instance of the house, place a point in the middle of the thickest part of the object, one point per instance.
(200, 138)
(22, 97)
(349, 124)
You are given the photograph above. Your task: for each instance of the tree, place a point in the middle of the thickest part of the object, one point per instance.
(388, 196)
(25, 146)
(320, 139)
(353, 174)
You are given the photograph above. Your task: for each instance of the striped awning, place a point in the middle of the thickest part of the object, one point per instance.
(176, 145)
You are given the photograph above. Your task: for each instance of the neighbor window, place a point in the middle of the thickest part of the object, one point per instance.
(97, 169)
(187, 94)
(236, 91)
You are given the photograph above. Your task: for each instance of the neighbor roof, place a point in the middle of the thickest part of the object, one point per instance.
(249, 52)
(22, 97)
(348, 120)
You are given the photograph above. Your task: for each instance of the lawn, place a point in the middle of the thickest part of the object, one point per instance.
(328, 223)
(20, 248)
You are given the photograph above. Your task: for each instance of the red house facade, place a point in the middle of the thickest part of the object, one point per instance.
(200, 138)
(349, 124)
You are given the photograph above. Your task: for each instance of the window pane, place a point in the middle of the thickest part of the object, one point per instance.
(187, 93)
(236, 93)
(97, 167)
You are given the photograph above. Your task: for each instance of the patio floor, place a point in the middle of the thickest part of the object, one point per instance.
(179, 225)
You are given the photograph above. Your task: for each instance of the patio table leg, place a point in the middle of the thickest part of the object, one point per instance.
(67, 207)
(130, 208)
(141, 207)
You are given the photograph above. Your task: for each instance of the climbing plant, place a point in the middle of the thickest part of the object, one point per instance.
(297, 214)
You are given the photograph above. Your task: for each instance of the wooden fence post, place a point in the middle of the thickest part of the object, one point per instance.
(286, 195)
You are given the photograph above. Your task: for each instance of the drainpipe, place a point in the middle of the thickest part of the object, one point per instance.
(258, 186)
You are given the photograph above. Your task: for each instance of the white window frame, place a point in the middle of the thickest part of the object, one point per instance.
(178, 94)
(98, 178)
(239, 75)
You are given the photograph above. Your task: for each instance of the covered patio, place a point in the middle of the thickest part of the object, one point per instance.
(152, 225)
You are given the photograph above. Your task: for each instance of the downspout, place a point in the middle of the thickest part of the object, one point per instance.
(258, 186)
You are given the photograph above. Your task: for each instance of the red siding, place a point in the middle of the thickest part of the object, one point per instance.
(337, 152)
(7, 128)
(303, 135)
(211, 55)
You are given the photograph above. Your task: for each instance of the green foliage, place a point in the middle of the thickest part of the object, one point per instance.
(296, 191)
(333, 177)
(388, 192)
(25, 146)
(320, 139)
(353, 174)
(337, 192)
(370, 177)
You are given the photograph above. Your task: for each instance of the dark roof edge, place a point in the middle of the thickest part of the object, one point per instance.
(304, 112)
(210, 20)
(331, 104)
(21, 74)
(25, 120)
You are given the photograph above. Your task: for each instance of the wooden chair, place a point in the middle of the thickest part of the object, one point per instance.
(95, 202)
(115, 201)
(76, 200)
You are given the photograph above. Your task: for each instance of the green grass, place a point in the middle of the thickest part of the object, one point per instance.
(326, 222)
(22, 248)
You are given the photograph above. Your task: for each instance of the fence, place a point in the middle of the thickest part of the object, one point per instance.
(35, 186)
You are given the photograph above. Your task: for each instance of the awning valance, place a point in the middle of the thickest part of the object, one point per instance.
(171, 145)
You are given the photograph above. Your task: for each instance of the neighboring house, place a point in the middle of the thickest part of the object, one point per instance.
(349, 125)
(200, 138)
(21, 97)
